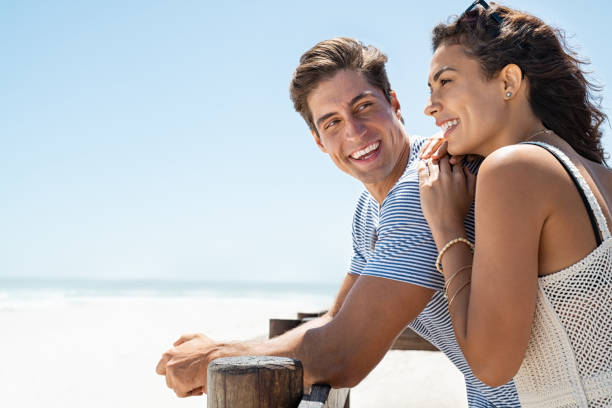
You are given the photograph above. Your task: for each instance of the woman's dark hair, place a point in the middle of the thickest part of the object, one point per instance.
(559, 93)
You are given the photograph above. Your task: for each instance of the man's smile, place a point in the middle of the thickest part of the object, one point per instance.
(366, 152)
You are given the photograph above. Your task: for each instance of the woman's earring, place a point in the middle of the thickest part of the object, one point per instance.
(508, 94)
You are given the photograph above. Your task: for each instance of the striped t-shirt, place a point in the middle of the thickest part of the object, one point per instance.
(394, 242)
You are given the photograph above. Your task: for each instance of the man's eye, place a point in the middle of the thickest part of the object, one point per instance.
(363, 106)
(444, 81)
(331, 123)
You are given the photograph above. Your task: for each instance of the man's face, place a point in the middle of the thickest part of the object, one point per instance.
(358, 127)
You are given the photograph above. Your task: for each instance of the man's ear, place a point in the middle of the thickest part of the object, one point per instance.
(512, 77)
(395, 104)
(318, 140)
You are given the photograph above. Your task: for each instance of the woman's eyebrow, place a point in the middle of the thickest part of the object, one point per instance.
(440, 72)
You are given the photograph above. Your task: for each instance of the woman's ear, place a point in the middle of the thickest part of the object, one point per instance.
(512, 78)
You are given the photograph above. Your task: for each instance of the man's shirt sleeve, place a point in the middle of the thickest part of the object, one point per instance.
(403, 248)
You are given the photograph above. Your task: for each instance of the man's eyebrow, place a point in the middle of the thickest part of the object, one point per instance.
(360, 96)
(324, 117)
(352, 102)
(441, 71)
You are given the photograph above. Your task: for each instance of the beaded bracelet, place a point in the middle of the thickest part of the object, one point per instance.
(448, 245)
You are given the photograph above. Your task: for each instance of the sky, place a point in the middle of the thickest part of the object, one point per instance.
(156, 139)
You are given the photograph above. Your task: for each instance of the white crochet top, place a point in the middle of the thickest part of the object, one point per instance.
(568, 362)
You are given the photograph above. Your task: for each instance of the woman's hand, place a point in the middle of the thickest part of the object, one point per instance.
(436, 147)
(433, 148)
(447, 193)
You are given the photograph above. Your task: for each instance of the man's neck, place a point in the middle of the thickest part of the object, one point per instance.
(380, 190)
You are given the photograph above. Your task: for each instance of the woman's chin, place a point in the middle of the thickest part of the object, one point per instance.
(455, 150)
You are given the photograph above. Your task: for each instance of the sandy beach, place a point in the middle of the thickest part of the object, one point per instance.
(101, 352)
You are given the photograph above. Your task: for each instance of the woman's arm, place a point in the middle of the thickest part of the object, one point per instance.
(492, 303)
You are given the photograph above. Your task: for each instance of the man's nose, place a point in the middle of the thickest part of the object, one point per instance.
(355, 128)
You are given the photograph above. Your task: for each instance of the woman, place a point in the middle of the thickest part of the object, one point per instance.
(532, 300)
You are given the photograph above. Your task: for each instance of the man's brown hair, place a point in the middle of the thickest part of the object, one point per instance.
(328, 57)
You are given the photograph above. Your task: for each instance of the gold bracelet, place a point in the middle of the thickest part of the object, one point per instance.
(448, 245)
(448, 281)
(465, 285)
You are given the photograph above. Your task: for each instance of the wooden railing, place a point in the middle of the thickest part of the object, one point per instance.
(408, 340)
(267, 382)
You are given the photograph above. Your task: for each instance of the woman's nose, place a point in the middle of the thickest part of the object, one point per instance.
(432, 107)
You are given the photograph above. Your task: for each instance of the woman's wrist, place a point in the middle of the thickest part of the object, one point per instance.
(443, 236)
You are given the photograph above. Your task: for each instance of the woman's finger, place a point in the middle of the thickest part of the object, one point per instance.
(444, 165)
(430, 146)
(441, 150)
(456, 160)
(423, 172)
(425, 149)
(434, 169)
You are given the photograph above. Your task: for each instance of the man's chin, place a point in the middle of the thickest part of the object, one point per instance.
(369, 178)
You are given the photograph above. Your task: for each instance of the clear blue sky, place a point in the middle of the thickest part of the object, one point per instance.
(150, 139)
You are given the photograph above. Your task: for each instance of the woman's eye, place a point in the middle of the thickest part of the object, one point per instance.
(444, 81)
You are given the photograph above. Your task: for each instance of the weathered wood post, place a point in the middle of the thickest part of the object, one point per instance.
(280, 326)
(254, 382)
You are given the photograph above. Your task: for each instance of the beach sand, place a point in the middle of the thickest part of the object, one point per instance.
(101, 352)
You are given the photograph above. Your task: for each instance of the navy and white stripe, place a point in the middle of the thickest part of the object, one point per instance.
(394, 242)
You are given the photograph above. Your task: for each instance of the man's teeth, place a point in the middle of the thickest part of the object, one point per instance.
(365, 151)
(448, 124)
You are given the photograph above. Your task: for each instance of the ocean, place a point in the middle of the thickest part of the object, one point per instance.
(76, 343)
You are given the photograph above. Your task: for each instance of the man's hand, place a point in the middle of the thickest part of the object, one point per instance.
(185, 364)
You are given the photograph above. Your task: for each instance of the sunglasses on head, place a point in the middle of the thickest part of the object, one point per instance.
(486, 6)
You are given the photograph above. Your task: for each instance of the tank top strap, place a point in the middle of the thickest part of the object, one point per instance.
(598, 221)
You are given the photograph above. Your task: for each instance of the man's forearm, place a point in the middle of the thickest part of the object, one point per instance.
(286, 345)
(339, 348)
(305, 343)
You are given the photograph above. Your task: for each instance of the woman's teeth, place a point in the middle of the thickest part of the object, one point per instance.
(446, 125)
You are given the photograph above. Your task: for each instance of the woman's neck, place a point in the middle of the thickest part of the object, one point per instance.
(522, 126)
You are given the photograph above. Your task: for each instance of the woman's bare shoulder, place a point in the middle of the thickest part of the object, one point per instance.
(525, 164)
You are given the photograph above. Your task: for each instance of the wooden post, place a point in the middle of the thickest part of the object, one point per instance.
(280, 326)
(306, 315)
(254, 382)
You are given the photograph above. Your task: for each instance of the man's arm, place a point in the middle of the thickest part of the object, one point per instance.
(339, 348)
(185, 364)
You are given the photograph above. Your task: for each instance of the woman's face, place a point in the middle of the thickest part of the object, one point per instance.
(469, 109)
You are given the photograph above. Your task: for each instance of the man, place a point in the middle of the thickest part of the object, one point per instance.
(342, 91)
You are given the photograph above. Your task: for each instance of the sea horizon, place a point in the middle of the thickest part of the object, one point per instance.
(154, 287)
